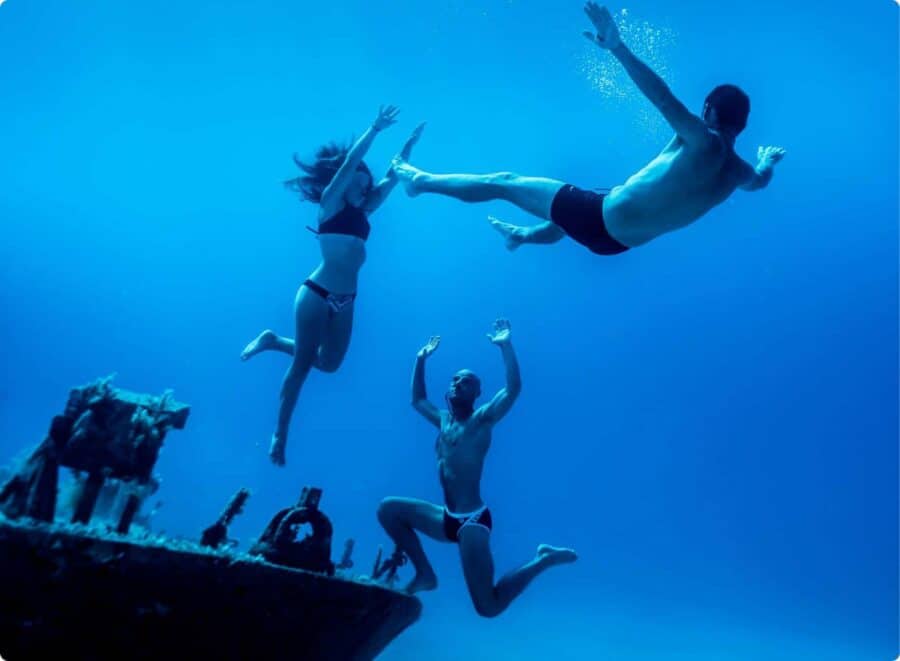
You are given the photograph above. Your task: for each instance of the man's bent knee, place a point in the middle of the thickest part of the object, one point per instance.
(388, 510)
(487, 608)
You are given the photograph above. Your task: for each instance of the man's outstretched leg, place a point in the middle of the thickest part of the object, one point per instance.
(565, 209)
(531, 194)
(268, 341)
(478, 567)
(400, 518)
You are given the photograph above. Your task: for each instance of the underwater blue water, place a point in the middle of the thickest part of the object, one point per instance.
(710, 420)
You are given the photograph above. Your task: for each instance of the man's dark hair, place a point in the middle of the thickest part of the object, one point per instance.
(732, 107)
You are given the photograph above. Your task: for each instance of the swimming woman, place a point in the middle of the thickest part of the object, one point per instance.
(342, 185)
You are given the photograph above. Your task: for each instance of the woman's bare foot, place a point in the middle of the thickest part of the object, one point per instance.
(410, 176)
(421, 583)
(264, 341)
(276, 450)
(555, 555)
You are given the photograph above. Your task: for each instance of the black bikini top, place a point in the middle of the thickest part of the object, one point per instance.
(349, 220)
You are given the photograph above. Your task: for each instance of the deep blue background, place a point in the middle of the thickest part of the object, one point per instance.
(710, 420)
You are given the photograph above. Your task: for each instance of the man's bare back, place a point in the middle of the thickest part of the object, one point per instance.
(673, 190)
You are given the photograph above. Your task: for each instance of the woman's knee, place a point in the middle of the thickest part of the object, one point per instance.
(329, 363)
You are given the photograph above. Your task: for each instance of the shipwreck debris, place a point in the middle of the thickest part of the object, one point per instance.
(218, 532)
(104, 433)
(347, 556)
(278, 543)
(101, 593)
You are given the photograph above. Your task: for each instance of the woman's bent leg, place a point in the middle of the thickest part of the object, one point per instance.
(311, 314)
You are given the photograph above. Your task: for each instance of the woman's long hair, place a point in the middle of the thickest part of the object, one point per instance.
(320, 172)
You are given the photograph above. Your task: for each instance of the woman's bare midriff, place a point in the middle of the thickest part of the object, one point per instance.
(342, 258)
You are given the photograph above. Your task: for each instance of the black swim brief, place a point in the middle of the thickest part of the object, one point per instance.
(580, 214)
(453, 521)
(336, 302)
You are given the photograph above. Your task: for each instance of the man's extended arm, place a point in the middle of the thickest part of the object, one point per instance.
(761, 175)
(687, 125)
(502, 402)
(419, 397)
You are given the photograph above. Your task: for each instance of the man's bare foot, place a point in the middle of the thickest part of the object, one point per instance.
(276, 450)
(555, 555)
(421, 583)
(263, 342)
(514, 235)
(411, 177)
